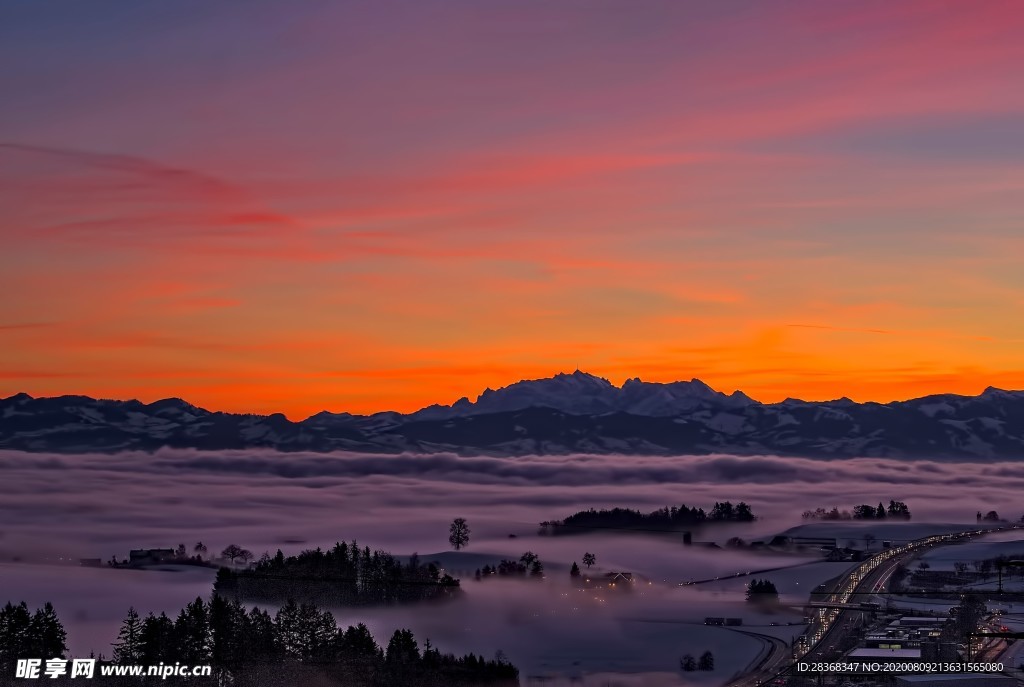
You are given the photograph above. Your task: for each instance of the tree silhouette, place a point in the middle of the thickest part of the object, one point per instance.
(233, 552)
(458, 533)
(29, 635)
(706, 661)
(14, 634)
(403, 657)
(589, 559)
(158, 640)
(192, 633)
(47, 635)
(302, 641)
(574, 571)
(762, 591)
(128, 647)
(688, 663)
(529, 558)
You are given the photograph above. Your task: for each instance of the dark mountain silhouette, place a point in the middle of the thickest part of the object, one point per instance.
(567, 413)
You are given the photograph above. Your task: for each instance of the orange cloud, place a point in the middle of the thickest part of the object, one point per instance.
(662, 204)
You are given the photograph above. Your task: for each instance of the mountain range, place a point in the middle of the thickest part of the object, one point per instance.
(567, 413)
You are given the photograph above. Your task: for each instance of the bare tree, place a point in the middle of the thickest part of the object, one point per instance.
(234, 552)
(458, 533)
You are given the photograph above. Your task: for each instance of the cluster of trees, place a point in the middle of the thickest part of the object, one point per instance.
(967, 615)
(27, 634)
(688, 663)
(199, 555)
(990, 516)
(253, 647)
(589, 559)
(235, 554)
(897, 510)
(528, 564)
(989, 566)
(762, 591)
(343, 575)
(667, 518)
(199, 552)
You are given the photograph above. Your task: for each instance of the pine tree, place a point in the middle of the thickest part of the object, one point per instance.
(48, 636)
(157, 635)
(192, 633)
(574, 571)
(402, 648)
(359, 655)
(317, 630)
(128, 647)
(228, 632)
(15, 635)
(401, 661)
(286, 628)
(706, 661)
(262, 642)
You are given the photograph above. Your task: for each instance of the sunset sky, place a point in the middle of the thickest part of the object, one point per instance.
(292, 206)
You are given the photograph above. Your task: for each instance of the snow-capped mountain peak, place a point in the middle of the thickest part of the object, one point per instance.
(581, 393)
(566, 413)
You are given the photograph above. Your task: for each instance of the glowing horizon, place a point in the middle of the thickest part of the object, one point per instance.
(348, 208)
(475, 396)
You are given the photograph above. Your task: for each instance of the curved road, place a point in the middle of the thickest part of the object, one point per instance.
(829, 627)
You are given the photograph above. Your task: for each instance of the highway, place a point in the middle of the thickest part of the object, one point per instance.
(774, 651)
(829, 627)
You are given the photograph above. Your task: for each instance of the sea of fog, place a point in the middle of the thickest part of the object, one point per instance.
(56, 509)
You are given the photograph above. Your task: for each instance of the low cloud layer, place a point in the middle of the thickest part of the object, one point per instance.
(58, 508)
(82, 503)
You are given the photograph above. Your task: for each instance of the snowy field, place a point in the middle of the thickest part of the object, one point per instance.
(852, 532)
(107, 505)
(990, 546)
